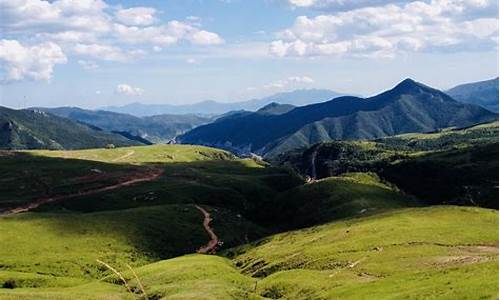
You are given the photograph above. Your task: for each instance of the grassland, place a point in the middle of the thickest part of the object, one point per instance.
(374, 246)
(418, 253)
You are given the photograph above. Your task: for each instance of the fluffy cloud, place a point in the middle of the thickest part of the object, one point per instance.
(32, 62)
(93, 29)
(138, 16)
(125, 89)
(384, 31)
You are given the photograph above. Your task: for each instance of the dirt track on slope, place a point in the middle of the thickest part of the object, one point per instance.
(128, 154)
(135, 178)
(214, 240)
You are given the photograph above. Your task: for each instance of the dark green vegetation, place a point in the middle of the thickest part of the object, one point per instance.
(156, 129)
(448, 167)
(367, 238)
(484, 93)
(28, 129)
(409, 107)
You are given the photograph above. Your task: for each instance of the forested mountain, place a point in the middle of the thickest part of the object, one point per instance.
(408, 107)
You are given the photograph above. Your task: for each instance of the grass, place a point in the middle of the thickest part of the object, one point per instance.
(409, 253)
(375, 246)
(333, 198)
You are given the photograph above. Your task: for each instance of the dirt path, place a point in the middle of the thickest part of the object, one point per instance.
(214, 240)
(136, 178)
(130, 153)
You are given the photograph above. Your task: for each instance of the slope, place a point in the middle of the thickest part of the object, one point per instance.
(483, 93)
(157, 129)
(409, 107)
(375, 257)
(28, 129)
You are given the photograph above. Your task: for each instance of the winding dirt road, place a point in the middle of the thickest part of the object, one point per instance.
(136, 178)
(214, 240)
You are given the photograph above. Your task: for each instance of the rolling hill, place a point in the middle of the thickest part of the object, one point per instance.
(408, 107)
(483, 93)
(156, 129)
(34, 129)
(211, 107)
(446, 167)
(62, 211)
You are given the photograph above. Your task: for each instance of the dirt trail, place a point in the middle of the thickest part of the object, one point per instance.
(135, 178)
(128, 154)
(214, 240)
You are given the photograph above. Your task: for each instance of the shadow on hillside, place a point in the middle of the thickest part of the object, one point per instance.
(157, 216)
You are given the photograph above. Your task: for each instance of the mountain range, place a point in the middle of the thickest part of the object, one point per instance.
(483, 93)
(35, 129)
(408, 107)
(211, 107)
(155, 129)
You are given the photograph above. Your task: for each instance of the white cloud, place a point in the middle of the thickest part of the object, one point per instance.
(31, 62)
(384, 31)
(93, 29)
(138, 16)
(125, 89)
(202, 37)
(290, 82)
(88, 65)
(192, 61)
(97, 51)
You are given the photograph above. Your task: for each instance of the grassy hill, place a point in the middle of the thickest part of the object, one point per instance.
(374, 246)
(29, 129)
(409, 253)
(452, 166)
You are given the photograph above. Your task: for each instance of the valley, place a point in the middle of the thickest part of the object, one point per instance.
(391, 197)
(273, 235)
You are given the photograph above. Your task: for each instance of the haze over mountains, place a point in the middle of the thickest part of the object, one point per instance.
(155, 129)
(210, 107)
(408, 107)
(267, 126)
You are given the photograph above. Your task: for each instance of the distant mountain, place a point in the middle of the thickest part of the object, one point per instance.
(275, 109)
(35, 129)
(210, 107)
(156, 129)
(483, 93)
(409, 107)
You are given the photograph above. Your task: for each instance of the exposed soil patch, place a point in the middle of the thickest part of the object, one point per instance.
(150, 175)
(214, 240)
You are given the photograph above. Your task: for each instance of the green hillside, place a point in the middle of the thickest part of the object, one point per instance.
(411, 253)
(408, 253)
(351, 194)
(452, 166)
(363, 237)
(32, 129)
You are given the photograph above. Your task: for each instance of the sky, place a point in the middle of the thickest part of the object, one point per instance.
(96, 53)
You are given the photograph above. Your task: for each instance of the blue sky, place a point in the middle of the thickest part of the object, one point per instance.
(94, 53)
